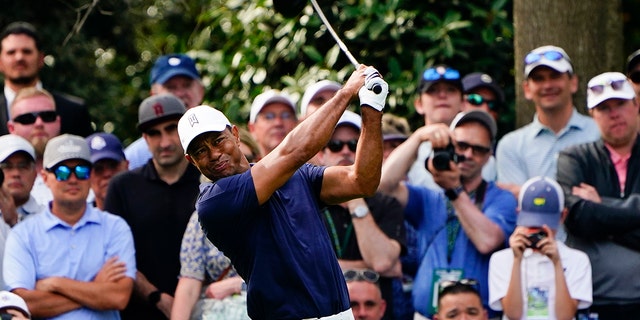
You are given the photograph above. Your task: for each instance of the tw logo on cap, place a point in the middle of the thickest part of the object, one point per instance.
(193, 120)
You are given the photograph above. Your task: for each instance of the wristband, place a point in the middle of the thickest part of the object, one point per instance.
(154, 297)
(452, 194)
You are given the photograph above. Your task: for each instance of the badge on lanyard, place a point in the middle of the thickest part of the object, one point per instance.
(538, 303)
(440, 275)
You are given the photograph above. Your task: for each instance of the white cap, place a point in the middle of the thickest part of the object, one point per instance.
(312, 90)
(199, 120)
(605, 79)
(13, 301)
(12, 143)
(350, 118)
(562, 65)
(268, 97)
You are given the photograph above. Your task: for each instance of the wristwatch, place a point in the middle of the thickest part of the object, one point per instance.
(360, 212)
(154, 297)
(452, 194)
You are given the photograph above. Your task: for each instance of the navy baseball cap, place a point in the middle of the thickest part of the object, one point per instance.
(541, 202)
(172, 65)
(440, 73)
(105, 146)
(478, 80)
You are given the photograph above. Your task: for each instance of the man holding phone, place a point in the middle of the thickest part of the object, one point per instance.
(556, 278)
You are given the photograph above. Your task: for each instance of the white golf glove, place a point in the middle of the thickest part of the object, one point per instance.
(375, 90)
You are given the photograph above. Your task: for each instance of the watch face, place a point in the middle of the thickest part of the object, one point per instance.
(360, 211)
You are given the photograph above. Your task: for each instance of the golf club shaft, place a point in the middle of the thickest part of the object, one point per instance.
(334, 34)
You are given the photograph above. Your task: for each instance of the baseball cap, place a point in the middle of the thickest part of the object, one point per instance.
(440, 73)
(476, 80)
(480, 116)
(159, 108)
(551, 56)
(632, 60)
(65, 147)
(13, 301)
(350, 118)
(172, 65)
(12, 143)
(608, 85)
(541, 202)
(312, 90)
(268, 97)
(104, 145)
(394, 127)
(199, 120)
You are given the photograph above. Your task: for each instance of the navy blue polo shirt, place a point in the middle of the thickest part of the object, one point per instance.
(280, 248)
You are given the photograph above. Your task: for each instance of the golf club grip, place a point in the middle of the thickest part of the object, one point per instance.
(376, 88)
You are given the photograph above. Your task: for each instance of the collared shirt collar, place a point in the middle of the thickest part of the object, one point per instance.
(10, 95)
(51, 221)
(575, 122)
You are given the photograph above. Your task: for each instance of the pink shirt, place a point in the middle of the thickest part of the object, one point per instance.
(620, 162)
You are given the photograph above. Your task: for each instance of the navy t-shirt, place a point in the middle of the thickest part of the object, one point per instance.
(280, 248)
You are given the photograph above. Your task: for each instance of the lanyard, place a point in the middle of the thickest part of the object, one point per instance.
(334, 234)
(453, 225)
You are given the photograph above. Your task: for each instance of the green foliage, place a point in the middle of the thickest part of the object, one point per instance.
(243, 47)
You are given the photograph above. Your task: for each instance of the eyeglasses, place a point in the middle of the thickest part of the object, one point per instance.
(476, 100)
(437, 73)
(449, 284)
(549, 55)
(616, 85)
(63, 173)
(30, 118)
(337, 145)
(21, 166)
(476, 149)
(635, 77)
(269, 116)
(361, 275)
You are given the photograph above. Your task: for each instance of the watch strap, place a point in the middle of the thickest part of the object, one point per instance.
(154, 297)
(453, 194)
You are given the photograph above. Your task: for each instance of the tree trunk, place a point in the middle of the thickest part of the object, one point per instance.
(590, 31)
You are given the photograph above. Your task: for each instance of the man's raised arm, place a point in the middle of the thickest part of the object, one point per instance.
(310, 136)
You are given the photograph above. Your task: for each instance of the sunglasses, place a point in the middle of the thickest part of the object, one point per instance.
(63, 173)
(477, 100)
(438, 73)
(476, 149)
(30, 118)
(549, 55)
(450, 284)
(616, 85)
(337, 145)
(635, 77)
(361, 275)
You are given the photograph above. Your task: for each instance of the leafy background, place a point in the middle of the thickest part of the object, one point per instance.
(103, 50)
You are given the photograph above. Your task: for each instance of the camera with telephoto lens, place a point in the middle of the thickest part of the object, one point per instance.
(534, 238)
(442, 156)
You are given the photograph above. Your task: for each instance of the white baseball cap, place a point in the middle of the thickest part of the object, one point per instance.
(12, 143)
(312, 90)
(551, 56)
(268, 97)
(608, 85)
(199, 120)
(350, 118)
